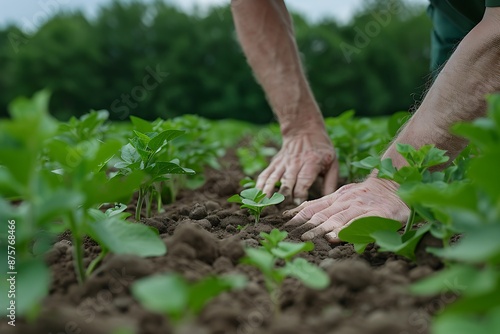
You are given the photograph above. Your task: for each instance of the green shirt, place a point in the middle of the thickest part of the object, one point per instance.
(452, 20)
(464, 12)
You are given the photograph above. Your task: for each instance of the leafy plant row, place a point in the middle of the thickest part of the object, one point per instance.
(463, 200)
(79, 176)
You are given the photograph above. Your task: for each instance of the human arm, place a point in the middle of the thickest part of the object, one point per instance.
(266, 34)
(457, 95)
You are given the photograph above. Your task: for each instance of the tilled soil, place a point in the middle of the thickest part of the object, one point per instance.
(368, 293)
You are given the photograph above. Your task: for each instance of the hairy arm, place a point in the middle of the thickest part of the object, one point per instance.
(458, 94)
(265, 31)
(266, 34)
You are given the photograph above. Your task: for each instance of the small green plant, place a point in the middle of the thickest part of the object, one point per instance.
(274, 248)
(255, 156)
(145, 152)
(357, 138)
(385, 231)
(255, 201)
(51, 183)
(172, 295)
(472, 209)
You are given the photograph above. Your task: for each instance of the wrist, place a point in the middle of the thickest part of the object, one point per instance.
(301, 119)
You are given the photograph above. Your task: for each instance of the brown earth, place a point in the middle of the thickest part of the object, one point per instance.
(368, 293)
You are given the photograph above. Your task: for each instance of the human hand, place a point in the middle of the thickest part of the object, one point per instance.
(328, 215)
(302, 158)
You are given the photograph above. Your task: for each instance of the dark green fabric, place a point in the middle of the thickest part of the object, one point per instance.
(452, 20)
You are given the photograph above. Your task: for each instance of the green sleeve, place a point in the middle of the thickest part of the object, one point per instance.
(492, 3)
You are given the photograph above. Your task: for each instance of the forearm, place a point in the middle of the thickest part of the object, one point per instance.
(458, 93)
(266, 35)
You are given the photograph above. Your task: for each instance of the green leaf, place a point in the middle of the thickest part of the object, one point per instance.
(276, 198)
(359, 231)
(252, 194)
(360, 247)
(259, 258)
(459, 279)
(208, 288)
(287, 250)
(32, 285)
(167, 294)
(129, 154)
(161, 168)
(367, 163)
(99, 189)
(56, 204)
(143, 138)
(468, 323)
(159, 140)
(272, 239)
(309, 274)
(396, 121)
(477, 246)
(121, 237)
(141, 125)
(235, 199)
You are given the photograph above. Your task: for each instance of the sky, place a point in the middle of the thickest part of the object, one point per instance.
(32, 13)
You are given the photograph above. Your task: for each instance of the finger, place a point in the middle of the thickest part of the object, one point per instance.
(270, 183)
(289, 178)
(306, 210)
(331, 178)
(263, 176)
(333, 236)
(329, 219)
(305, 179)
(314, 216)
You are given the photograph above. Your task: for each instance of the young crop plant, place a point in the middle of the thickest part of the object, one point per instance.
(273, 249)
(180, 300)
(358, 138)
(254, 156)
(41, 202)
(384, 231)
(148, 152)
(471, 209)
(255, 201)
(197, 149)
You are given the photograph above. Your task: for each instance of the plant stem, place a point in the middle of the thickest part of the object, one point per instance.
(149, 202)
(77, 249)
(95, 262)
(159, 203)
(410, 221)
(140, 202)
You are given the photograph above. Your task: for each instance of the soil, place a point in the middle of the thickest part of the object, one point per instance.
(368, 293)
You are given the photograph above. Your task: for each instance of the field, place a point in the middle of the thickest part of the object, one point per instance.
(127, 228)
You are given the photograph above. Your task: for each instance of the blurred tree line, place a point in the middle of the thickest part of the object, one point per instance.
(155, 60)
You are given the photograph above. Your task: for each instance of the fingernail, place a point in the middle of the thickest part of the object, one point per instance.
(298, 201)
(331, 236)
(307, 236)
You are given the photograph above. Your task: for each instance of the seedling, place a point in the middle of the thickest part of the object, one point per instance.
(472, 209)
(172, 295)
(58, 186)
(255, 201)
(273, 249)
(144, 153)
(384, 231)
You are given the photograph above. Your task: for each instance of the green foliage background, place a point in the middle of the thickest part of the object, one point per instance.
(89, 64)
